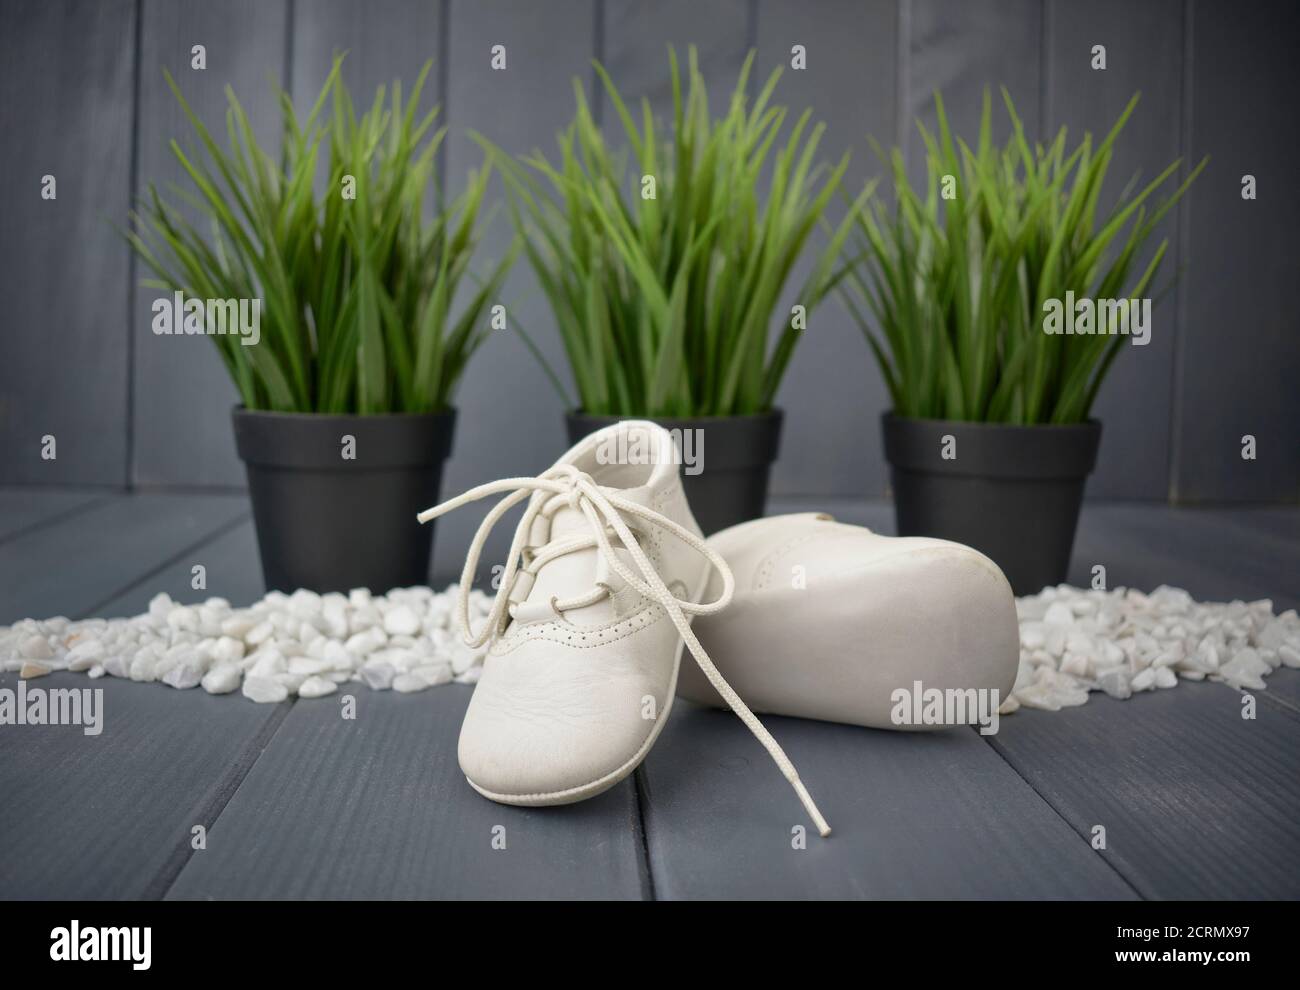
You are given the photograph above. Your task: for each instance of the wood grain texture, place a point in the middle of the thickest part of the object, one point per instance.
(832, 387)
(66, 78)
(915, 815)
(1144, 53)
(1196, 801)
(1217, 555)
(511, 420)
(22, 509)
(384, 40)
(232, 570)
(376, 807)
(961, 49)
(83, 562)
(183, 394)
(634, 49)
(110, 816)
(1239, 361)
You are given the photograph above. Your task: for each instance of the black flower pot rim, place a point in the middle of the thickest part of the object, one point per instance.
(1035, 452)
(774, 413)
(738, 442)
(310, 441)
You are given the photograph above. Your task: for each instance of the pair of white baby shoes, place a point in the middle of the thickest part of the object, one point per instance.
(799, 614)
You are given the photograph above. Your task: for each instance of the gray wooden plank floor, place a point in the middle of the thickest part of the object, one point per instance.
(22, 509)
(914, 815)
(299, 802)
(376, 807)
(110, 816)
(1196, 801)
(80, 564)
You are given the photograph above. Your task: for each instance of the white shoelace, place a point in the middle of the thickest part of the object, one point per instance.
(566, 484)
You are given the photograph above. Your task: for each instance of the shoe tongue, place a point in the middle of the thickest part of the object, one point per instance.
(576, 573)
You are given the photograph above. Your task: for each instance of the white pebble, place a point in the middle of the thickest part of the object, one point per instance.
(264, 690)
(401, 621)
(378, 674)
(316, 687)
(35, 648)
(222, 679)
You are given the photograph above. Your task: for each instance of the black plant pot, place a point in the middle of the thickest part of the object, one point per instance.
(1011, 492)
(330, 523)
(728, 485)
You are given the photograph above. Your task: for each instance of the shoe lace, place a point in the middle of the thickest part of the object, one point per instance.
(603, 509)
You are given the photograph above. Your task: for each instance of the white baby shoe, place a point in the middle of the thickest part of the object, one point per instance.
(831, 621)
(606, 570)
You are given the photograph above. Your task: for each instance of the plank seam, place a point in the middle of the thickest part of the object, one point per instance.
(1183, 245)
(58, 517)
(1286, 706)
(286, 82)
(1110, 864)
(597, 97)
(902, 83)
(210, 812)
(175, 558)
(133, 181)
(641, 795)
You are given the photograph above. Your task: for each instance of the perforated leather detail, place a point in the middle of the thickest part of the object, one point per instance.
(767, 570)
(580, 637)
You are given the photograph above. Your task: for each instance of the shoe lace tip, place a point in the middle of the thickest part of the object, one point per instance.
(823, 827)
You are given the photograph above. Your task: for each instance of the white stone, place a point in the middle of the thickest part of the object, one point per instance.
(364, 643)
(401, 621)
(222, 679)
(1144, 679)
(408, 683)
(1115, 682)
(95, 672)
(308, 666)
(264, 690)
(1059, 614)
(260, 633)
(86, 654)
(32, 669)
(144, 667)
(186, 673)
(227, 649)
(291, 681)
(267, 662)
(35, 648)
(378, 674)
(238, 626)
(316, 687)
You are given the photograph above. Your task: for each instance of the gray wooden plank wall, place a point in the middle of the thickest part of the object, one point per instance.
(131, 408)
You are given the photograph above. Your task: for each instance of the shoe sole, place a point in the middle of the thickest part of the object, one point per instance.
(581, 792)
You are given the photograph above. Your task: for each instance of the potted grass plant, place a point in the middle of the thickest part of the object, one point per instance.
(991, 300)
(664, 263)
(346, 391)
